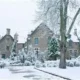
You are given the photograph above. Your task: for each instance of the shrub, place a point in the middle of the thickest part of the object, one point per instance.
(38, 64)
(2, 65)
(71, 64)
(77, 64)
(27, 63)
(53, 48)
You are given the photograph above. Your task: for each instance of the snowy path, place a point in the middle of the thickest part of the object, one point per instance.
(25, 73)
(72, 73)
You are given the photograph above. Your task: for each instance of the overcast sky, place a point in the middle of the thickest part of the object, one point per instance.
(18, 15)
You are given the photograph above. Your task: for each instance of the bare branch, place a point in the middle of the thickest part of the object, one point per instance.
(69, 30)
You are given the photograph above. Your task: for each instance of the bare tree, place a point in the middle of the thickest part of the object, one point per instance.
(46, 13)
(55, 14)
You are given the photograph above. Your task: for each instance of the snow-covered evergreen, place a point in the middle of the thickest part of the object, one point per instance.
(22, 55)
(53, 47)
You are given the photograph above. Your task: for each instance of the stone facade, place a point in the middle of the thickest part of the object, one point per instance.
(38, 39)
(6, 43)
(73, 49)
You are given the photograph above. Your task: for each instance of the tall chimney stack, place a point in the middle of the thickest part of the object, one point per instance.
(8, 31)
(16, 37)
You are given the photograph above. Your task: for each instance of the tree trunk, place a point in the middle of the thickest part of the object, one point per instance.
(63, 56)
(63, 21)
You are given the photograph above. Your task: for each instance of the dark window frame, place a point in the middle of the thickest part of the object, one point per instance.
(4, 56)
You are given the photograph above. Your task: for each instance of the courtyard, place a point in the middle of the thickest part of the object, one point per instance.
(25, 73)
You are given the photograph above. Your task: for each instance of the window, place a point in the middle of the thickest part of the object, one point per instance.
(71, 53)
(7, 48)
(75, 53)
(3, 56)
(36, 41)
(49, 38)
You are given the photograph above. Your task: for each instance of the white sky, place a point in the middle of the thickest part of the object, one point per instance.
(18, 15)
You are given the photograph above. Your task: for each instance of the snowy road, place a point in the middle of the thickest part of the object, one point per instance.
(25, 73)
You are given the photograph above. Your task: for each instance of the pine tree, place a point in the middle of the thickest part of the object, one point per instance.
(52, 48)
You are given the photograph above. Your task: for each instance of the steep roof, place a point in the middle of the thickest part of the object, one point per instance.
(42, 25)
(5, 36)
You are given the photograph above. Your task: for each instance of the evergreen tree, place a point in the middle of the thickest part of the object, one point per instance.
(52, 49)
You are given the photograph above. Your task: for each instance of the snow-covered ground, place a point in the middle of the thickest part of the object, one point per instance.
(25, 73)
(72, 73)
(30, 73)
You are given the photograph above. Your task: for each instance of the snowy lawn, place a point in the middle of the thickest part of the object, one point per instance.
(25, 73)
(72, 73)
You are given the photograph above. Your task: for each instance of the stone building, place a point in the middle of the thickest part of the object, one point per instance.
(38, 38)
(6, 43)
(73, 49)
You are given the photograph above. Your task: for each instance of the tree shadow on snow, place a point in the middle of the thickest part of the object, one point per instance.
(18, 71)
(31, 76)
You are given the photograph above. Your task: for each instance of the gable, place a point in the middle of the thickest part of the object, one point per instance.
(41, 29)
(5, 37)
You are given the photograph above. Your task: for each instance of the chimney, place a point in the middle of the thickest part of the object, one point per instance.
(8, 31)
(16, 37)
